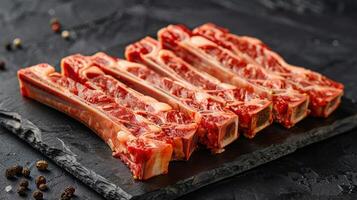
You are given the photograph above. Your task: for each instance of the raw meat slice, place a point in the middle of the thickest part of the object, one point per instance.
(289, 105)
(180, 129)
(325, 94)
(128, 135)
(254, 111)
(218, 127)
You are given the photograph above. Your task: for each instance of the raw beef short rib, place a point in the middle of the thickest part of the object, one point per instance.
(218, 127)
(289, 105)
(325, 94)
(179, 128)
(253, 110)
(129, 136)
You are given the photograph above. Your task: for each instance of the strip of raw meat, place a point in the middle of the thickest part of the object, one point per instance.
(180, 129)
(325, 94)
(218, 127)
(128, 135)
(255, 112)
(289, 105)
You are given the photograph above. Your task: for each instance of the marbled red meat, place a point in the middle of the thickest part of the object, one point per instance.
(218, 126)
(314, 84)
(131, 138)
(179, 128)
(235, 69)
(252, 107)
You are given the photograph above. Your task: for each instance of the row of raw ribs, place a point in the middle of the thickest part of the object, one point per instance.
(145, 132)
(190, 87)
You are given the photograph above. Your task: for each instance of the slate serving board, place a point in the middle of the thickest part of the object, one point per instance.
(78, 150)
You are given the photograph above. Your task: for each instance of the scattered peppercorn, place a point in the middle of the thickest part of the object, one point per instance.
(8, 46)
(26, 172)
(24, 183)
(65, 34)
(40, 180)
(42, 165)
(55, 25)
(21, 191)
(43, 187)
(17, 43)
(10, 173)
(18, 169)
(65, 196)
(70, 190)
(2, 65)
(68, 193)
(38, 195)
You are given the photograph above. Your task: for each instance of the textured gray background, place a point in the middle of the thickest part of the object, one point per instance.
(319, 34)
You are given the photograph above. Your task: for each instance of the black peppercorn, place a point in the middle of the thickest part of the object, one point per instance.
(10, 173)
(40, 180)
(68, 193)
(24, 183)
(21, 191)
(42, 165)
(38, 195)
(18, 169)
(26, 172)
(2, 65)
(8, 46)
(65, 196)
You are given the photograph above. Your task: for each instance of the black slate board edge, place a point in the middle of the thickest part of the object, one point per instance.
(246, 162)
(31, 134)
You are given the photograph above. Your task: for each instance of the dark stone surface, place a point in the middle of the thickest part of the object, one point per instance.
(14, 151)
(319, 34)
(73, 147)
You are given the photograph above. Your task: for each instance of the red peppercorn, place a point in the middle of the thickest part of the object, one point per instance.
(56, 27)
